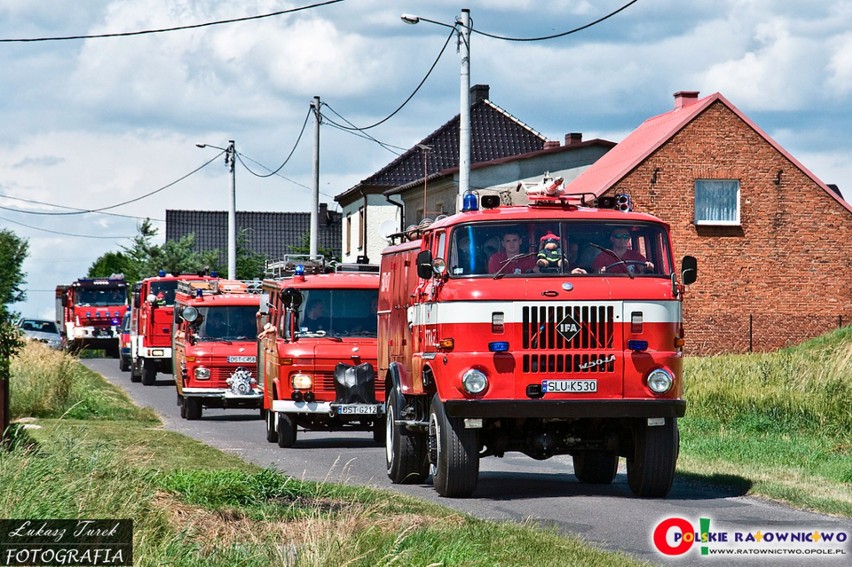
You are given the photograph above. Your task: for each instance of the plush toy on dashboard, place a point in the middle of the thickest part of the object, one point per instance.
(549, 252)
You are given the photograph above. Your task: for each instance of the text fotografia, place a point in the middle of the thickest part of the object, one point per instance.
(66, 542)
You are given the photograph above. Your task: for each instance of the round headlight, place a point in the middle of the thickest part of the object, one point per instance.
(660, 381)
(474, 381)
(301, 381)
(202, 373)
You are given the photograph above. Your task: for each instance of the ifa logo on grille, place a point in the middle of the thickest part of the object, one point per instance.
(568, 327)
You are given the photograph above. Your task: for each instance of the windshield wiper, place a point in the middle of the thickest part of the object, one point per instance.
(620, 259)
(508, 261)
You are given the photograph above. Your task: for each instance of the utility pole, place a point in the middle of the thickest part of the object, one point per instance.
(230, 159)
(315, 201)
(464, 111)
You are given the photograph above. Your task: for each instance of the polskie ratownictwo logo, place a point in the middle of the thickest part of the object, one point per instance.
(678, 536)
(66, 542)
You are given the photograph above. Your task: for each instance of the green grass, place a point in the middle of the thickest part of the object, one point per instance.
(778, 423)
(193, 505)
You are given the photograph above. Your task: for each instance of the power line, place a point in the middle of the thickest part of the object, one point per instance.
(296, 145)
(554, 36)
(53, 213)
(357, 132)
(176, 28)
(406, 101)
(65, 233)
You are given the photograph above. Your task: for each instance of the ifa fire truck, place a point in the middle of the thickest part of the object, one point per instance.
(215, 345)
(318, 349)
(569, 345)
(151, 326)
(89, 312)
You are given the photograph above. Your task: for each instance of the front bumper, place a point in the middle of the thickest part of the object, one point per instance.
(569, 409)
(223, 393)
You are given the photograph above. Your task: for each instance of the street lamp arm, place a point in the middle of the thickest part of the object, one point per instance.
(412, 19)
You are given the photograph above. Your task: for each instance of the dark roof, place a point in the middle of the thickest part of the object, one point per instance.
(271, 234)
(494, 134)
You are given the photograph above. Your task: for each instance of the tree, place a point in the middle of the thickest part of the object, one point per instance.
(13, 252)
(250, 264)
(109, 264)
(305, 248)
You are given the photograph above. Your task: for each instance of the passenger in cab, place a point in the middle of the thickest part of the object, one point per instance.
(625, 259)
(509, 260)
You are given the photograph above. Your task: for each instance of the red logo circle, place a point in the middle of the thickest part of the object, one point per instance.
(684, 543)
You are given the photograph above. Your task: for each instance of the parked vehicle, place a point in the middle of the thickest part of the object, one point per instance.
(41, 331)
(89, 312)
(317, 351)
(151, 327)
(550, 359)
(215, 345)
(125, 355)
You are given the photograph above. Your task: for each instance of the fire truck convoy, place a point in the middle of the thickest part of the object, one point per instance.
(318, 350)
(531, 357)
(215, 345)
(89, 313)
(151, 326)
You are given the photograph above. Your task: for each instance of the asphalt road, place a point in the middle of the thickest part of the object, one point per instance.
(514, 488)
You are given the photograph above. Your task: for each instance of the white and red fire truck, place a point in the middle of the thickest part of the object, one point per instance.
(569, 348)
(318, 350)
(151, 326)
(89, 313)
(215, 345)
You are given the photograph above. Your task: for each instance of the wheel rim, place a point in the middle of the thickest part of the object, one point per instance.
(389, 434)
(434, 443)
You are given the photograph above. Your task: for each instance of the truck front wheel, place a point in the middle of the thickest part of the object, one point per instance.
(405, 451)
(453, 453)
(286, 430)
(271, 426)
(595, 467)
(193, 408)
(651, 470)
(149, 372)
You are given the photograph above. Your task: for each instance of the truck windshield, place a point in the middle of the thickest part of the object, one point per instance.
(338, 312)
(548, 248)
(227, 323)
(100, 297)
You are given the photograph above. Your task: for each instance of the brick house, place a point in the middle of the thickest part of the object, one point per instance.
(773, 242)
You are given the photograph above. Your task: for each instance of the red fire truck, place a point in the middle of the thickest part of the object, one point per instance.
(570, 345)
(89, 312)
(215, 345)
(151, 326)
(318, 350)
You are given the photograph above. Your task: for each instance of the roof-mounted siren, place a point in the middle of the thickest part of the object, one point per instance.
(548, 186)
(470, 201)
(623, 203)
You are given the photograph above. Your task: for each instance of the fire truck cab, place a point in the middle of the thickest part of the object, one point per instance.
(318, 350)
(89, 313)
(151, 326)
(570, 344)
(215, 342)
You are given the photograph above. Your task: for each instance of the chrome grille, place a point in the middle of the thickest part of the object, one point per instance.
(539, 327)
(557, 363)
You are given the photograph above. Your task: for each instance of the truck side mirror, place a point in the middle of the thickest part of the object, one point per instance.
(689, 270)
(424, 264)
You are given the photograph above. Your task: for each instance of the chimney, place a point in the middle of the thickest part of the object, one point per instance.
(478, 92)
(572, 138)
(685, 98)
(550, 144)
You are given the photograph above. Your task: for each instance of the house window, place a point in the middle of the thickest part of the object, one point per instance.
(717, 202)
(361, 228)
(348, 234)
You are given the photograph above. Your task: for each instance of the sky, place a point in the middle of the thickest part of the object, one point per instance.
(114, 122)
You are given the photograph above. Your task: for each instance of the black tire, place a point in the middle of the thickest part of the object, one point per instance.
(135, 372)
(595, 467)
(406, 455)
(182, 404)
(123, 364)
(193, 408)
(286, 430)
(271, 431)
(453, 453)
(149, 372)
(379, 431)
(651, 470)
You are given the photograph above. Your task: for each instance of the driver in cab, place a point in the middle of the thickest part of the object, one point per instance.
(633, 261)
